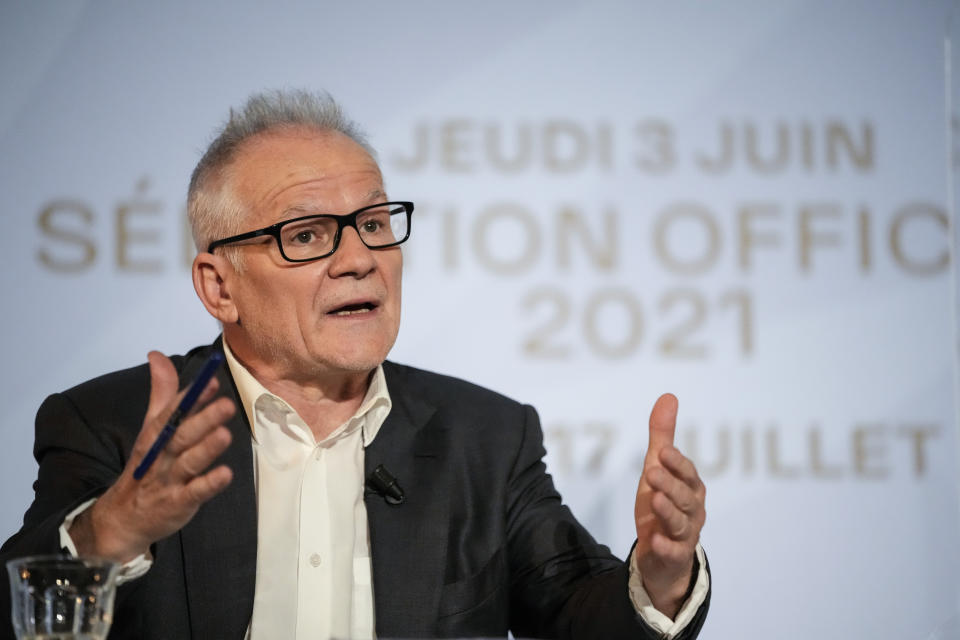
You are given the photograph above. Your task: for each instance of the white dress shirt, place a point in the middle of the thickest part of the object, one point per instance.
(313, 548)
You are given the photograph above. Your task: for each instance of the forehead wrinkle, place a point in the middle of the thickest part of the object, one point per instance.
(306, 178)
(283, 185)
(306, 209)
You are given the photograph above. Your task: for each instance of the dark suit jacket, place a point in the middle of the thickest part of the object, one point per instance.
(482, 543)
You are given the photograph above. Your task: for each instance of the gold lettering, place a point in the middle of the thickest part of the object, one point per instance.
(809, 237)
(558, 437)
(748, 237)
(417, 161)
(742, 302)
(712, 468)
(604, 146)
(868, 452)
(490, 239)
(455, 147)
(678, 341)
(544, 341)
(573, 225)
(704, 219)
(774, 464)
(839, 139)
(522, 152)
(775, 162)
(49, 222)
(603, 435)
(747, 448)
(918, 435)
(451, 231)
(817, 465)
(656, 141)
(864, 226)
(565, 146)
(127, 236)
(599, 341)
(806, 146)
(724, 159)
(912, 213)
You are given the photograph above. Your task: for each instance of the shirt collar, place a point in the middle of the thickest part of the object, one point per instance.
(375, 407)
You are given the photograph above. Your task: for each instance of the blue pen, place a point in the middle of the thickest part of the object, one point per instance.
(189, 399)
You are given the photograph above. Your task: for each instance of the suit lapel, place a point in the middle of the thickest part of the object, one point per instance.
(408, 542)
(220, 542)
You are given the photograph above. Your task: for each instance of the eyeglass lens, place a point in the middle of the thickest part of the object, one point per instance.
(312, 237)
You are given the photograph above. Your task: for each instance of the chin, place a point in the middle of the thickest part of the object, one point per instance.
(357, 362)
(356, 366)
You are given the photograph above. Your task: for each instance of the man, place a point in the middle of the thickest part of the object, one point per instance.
(459, 532)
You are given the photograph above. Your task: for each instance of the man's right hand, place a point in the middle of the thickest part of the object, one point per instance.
(133, 514)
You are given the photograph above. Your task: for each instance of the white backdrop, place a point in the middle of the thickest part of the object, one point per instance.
(742, 203)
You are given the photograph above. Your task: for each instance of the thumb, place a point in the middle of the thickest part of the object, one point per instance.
(663, 423)
(164, 382)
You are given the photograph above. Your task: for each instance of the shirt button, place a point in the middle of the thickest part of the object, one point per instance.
(315, 559)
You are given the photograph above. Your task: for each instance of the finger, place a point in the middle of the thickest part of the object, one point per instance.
(198, 426)
(679, 493)
(674, 523)
(163, 385)
(197, 459)
(681, 467)
(208, 393)
(204, 487)
(663, 422)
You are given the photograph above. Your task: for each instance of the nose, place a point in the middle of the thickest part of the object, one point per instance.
(352, 257)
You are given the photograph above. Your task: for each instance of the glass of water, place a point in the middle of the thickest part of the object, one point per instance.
(61, 598)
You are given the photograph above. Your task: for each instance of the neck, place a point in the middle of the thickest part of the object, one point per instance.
(324, 399)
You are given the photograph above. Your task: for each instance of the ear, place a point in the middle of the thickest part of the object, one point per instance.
(212, 277)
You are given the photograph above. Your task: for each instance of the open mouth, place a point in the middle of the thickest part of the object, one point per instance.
(353, 309)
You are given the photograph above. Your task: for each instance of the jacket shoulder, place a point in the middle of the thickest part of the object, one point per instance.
(126, 388)
(442, 390)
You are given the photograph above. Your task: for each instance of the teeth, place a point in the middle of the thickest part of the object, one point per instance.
(348, 312)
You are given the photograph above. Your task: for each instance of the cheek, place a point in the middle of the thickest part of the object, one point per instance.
(397, 287)
(270, 306)
(394, 279)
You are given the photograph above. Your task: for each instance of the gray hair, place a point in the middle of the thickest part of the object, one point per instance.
(212, 206)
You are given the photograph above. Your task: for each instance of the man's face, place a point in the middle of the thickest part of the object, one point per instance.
(335, 315)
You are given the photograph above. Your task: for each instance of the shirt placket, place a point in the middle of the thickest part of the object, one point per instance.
(315, 561)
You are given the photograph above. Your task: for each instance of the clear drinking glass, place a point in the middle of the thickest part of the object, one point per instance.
(61, 598)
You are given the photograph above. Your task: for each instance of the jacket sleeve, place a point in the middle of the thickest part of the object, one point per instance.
(564, 584)
(76, 463)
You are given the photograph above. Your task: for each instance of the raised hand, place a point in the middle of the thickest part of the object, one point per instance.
(133, 514)
(669, 513)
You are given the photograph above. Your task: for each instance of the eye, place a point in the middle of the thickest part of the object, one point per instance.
(371, 225)
(304, 237)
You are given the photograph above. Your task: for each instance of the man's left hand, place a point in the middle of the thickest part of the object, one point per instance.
(669, 513)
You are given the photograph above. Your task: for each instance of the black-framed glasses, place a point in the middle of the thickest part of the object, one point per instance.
(313, 237)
